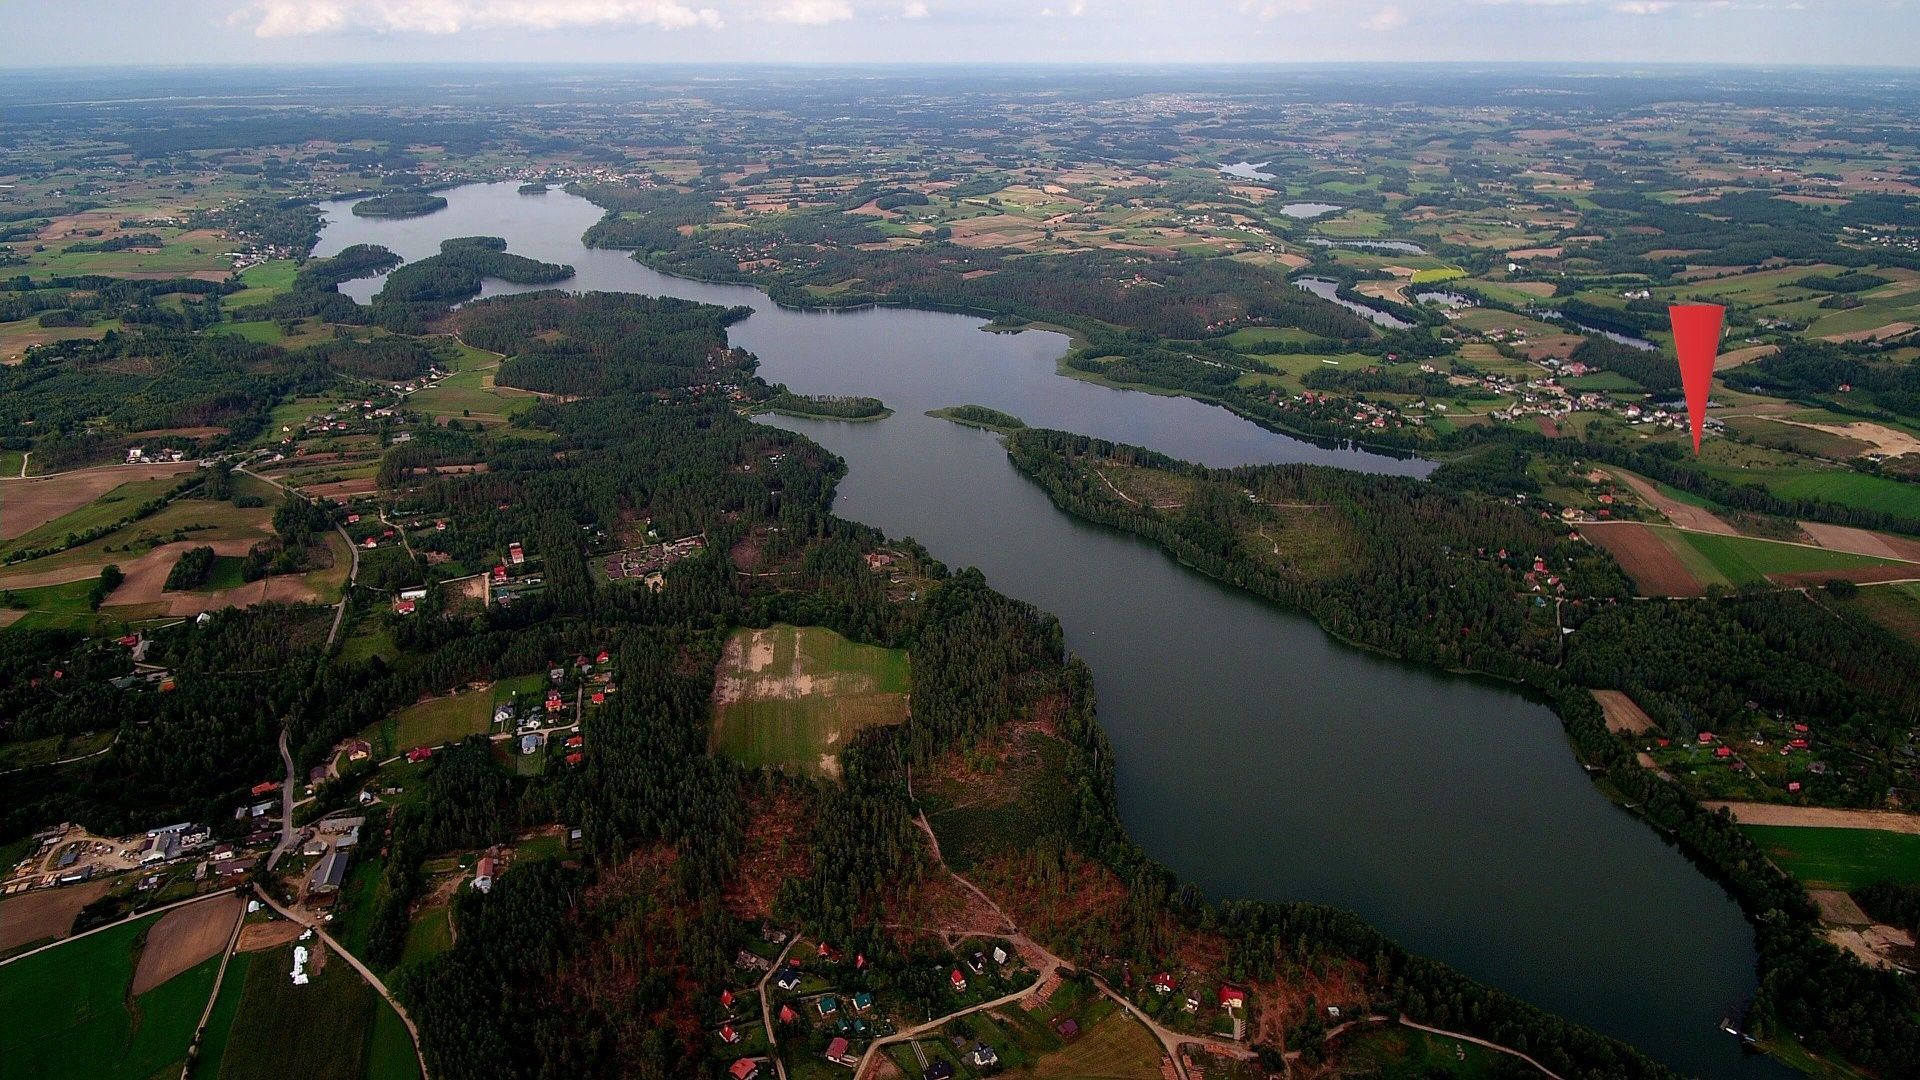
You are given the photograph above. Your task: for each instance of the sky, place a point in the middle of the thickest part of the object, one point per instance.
(39, 33)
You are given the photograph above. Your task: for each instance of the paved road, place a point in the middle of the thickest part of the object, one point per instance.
(286, 799)
(333, 635)
(766, 1007)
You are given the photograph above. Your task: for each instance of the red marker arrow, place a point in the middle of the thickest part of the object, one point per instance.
(1696, 338)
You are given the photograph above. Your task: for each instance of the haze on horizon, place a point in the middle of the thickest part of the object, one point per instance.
(199, 32)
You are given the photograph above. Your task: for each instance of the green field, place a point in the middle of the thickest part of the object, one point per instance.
(390, 1053)
(791, 696)
(213, 1047)
(431, 723)
(1397, 1053)
(68, 1013)
(1840, 858)
(327, 1026)
(1744, 560)
(262, 283)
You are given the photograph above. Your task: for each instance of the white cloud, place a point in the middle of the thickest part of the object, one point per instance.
(296, 18)
(809, 12)
(914, 10)
(1387, 18)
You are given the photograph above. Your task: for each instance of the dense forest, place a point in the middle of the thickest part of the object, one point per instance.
(463, 263)
(399, 204)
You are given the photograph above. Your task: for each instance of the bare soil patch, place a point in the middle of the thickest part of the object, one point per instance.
(261, 936)
(1883, 439)
(1876, 945)
(184, 937)
(1820, 817)
(27, 504)
(1623, 714)
(1859, 575)
(1838, 908)
(1878, 333)
(365, 485)
(1861, 541)
(1681, 514)
(1733, 358)
(1531, 288)
(1654, 568)
(44, 913)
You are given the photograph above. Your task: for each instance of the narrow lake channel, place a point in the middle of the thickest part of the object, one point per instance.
(1256, 756)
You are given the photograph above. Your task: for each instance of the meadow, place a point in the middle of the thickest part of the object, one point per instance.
(789, 696)
(69, 1013)
(1840, 858)
(326, 1026)
(1743, 560)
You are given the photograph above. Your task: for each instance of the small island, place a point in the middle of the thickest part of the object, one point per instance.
(456, 273)
(979, 416)
(400, 204)
(825, 407)
(533, 188)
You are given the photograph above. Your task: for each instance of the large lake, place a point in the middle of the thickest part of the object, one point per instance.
(1256, 756)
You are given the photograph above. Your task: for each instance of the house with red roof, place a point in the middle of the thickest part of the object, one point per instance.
(728, 1035)
(1232, 997)
(744, 1069)
(958, 980)
(1163, 983)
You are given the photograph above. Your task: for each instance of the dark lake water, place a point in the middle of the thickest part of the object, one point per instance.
(1256, 756)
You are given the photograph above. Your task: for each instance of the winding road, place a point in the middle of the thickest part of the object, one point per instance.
(301, 918)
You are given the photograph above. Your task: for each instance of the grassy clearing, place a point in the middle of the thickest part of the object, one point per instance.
(431, 723)
(262, 283)
(1744, 560)
(1111, 1045)
(69, 1015)
(390, 1053)
(1391, 1052)
(790, 696)
(1840, 858)
(326, 1026)
(1896, 607)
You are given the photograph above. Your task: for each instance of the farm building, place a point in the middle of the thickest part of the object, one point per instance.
(328, 873)
(484, 872)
